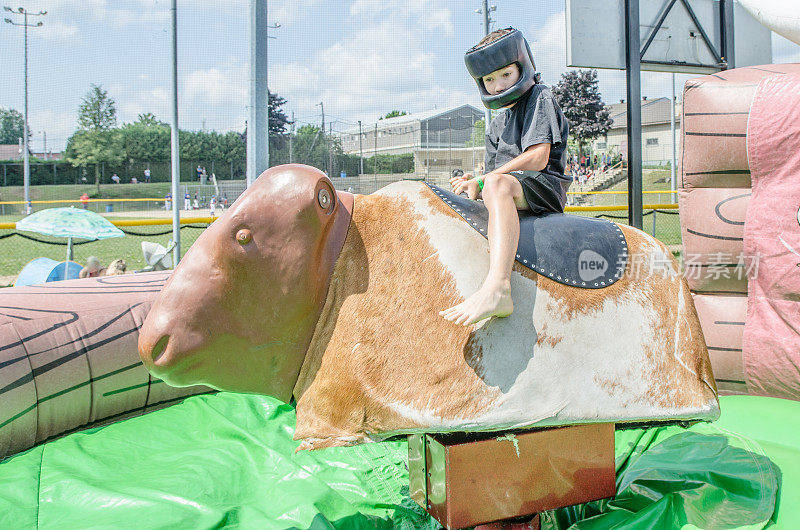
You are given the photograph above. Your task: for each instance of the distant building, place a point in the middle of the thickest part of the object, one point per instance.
(439, 139)
(14, 153)
(656, 135)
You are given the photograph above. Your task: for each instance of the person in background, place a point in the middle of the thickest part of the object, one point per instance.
(92, 268)
(147, 174)
(212, 204)
(134, 181)
(168, 201)
(187, 201)
(85, 200)
(118, 266)
(115, 178)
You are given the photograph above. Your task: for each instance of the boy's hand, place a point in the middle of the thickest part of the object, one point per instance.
(465, 184)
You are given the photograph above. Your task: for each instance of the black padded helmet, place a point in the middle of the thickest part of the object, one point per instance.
(511, 48)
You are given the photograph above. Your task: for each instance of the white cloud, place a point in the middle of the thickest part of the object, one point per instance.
(58, 126)
(132, 101)
(56, 30)
(378, 69)
(217, 87)
(405, 12)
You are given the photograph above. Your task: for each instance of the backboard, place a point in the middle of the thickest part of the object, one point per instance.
(596, 35)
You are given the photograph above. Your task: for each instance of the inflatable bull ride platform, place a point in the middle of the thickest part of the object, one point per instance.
(330, 301)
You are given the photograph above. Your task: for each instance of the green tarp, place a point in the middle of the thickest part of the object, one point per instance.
(228, 461)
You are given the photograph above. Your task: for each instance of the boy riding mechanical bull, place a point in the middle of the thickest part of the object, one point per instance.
(525, 159)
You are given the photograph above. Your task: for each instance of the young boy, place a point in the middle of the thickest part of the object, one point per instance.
(525, 159)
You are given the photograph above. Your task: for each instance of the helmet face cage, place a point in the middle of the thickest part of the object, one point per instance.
(511, 48)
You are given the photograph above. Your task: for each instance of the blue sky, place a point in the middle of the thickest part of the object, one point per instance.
(362, 58)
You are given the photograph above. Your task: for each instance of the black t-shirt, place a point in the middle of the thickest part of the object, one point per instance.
(535, 119)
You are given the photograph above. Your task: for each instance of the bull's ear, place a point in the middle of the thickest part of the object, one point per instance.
(325, 197)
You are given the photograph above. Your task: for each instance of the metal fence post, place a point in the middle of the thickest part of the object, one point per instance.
(654, 222)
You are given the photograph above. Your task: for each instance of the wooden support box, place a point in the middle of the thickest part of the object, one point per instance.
(465, 479)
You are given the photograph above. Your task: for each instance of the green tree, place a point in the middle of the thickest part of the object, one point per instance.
(86, 148)
(98, 112)
(146, 142)
(96, 141)
(478, 138)
(277, 117)
(394, 114)
(578, 94)
(11, 126)
(233, 148)
(148, 119)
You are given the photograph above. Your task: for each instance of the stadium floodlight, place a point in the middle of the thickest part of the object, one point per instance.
(26, 129)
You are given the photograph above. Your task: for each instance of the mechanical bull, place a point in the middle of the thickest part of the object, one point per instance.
(332, 298)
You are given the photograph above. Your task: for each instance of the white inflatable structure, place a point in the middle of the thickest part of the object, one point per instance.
(781, 16)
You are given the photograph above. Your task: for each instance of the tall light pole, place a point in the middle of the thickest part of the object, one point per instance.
(485, 11)
(360, 151)
(258, 122)
(174, 146)
(25, 155)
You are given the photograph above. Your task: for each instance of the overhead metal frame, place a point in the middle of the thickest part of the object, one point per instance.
(634, 58)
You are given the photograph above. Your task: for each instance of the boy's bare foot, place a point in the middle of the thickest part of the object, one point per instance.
(491, 300)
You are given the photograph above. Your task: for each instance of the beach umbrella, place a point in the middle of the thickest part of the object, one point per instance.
(70, 223)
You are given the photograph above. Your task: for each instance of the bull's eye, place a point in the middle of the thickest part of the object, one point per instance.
(244, 236)
(324, 198)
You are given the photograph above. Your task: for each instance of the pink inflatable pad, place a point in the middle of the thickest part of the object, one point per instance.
(712, 226)
(771, 340)
(722, 319)
(714, 133)
(69, 357)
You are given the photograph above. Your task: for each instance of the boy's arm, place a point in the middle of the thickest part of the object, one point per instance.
(534, 158)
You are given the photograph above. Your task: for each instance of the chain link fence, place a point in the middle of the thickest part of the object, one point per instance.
(18, 248)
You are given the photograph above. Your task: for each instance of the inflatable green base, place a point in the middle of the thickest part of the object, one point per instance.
(228, 461)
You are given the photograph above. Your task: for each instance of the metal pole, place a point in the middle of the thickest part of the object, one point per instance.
(727, 39)
(472, 139)
(175, 152)
(375, 155)
(427, 148)
(672, 167)
(450, 144)
(26, 171)
(360, 150)
(291, 137)
(633, 70)
(654, 223)
(330, 151)
(258, 124)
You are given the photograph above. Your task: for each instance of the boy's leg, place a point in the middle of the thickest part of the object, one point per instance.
(503, 196)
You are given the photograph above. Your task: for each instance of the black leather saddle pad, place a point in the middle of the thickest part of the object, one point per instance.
(569, 249)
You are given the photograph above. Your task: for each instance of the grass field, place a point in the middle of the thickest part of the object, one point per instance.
(74, 191)
(16, 251)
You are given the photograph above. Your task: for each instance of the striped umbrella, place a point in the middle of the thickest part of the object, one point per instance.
(69, 222)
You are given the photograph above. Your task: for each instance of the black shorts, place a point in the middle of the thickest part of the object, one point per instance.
(544, 193)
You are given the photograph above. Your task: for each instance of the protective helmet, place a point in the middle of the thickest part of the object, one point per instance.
(509, 49)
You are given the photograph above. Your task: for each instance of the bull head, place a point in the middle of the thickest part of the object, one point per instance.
(240, 309)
